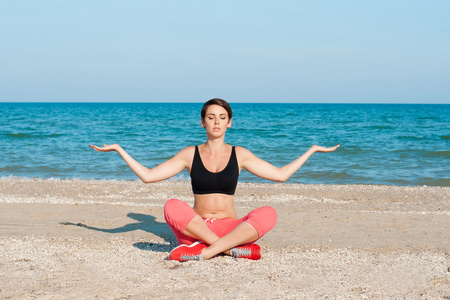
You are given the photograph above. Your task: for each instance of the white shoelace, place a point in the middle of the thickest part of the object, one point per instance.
(240, 252)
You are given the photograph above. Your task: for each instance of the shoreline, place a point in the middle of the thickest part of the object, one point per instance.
(183, 178)
(108, 239)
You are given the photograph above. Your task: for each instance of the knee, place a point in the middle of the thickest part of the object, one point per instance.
(178, 214)
(263, 219)
(171, 206)
(269, 215)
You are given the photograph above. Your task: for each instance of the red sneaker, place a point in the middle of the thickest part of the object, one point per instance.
(252, 251)
(185, 252)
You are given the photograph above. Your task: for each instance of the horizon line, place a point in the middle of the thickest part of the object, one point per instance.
(201, 102)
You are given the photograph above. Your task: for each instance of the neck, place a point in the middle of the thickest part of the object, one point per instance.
(215, 145)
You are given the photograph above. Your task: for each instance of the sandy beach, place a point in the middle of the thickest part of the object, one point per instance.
(80, 239)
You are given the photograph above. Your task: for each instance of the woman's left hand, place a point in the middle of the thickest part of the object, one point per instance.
(316, 148)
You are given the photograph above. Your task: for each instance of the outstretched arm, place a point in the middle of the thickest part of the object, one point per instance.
(163, 171)
(268, 171)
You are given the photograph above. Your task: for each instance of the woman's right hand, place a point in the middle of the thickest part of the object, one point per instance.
(106, 148)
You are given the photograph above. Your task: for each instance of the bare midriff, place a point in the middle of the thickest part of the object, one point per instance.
(218, 206)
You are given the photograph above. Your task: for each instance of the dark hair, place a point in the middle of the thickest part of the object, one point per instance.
(216, 101)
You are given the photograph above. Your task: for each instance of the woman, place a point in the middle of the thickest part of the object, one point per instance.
(211, 226)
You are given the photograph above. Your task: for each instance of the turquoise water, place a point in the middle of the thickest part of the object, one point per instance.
(396, 144)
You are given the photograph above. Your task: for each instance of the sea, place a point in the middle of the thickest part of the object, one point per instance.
(381, 144)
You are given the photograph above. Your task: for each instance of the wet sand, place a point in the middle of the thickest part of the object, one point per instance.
(76, 239)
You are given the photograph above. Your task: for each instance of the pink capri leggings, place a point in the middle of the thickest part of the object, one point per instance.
(178, 214)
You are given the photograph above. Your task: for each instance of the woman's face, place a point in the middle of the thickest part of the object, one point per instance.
(216, 120)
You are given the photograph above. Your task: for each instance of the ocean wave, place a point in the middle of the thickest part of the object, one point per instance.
(33, 168)
(10, 168)
(330, 175)
(438, 154)
(380, 127)
(352, 150)
(32, 136)
(428, 118)
(14, 177)
(411, 138)
(398, 182)
(180, 178)
(434, 182)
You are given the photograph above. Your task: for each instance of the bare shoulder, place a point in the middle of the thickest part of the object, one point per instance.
(187, 152)
(184, 157)
(243, 153)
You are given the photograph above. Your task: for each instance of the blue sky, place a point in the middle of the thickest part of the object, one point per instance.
(243, 51)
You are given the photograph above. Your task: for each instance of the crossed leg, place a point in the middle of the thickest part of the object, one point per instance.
(242, 234)
(189, 227)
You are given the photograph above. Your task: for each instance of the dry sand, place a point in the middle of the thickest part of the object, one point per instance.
(75, 239)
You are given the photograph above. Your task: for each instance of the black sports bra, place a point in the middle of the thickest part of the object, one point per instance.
(206, 182)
